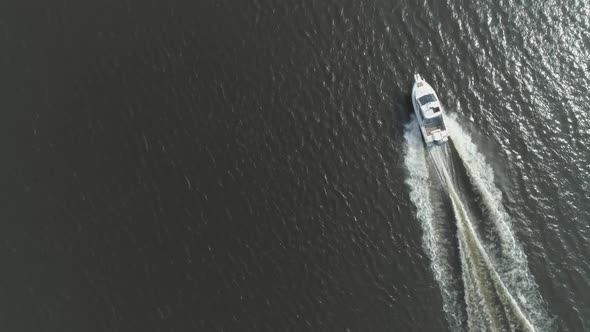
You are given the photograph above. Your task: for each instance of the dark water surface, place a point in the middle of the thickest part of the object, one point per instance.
(233, 166)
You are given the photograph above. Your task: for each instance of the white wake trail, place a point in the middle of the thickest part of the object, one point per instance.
(436, 240)
(505, 252)
(487, 281)
(494, 290)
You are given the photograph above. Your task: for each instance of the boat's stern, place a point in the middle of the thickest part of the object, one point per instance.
(439, 136)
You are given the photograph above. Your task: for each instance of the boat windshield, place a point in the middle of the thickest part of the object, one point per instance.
(427, 99)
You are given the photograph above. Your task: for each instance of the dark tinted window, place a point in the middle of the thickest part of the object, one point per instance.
(434, 123)
(426, 99)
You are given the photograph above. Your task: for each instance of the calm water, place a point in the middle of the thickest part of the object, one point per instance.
(224, 166)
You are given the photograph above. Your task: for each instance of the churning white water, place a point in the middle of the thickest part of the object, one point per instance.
(494, 289)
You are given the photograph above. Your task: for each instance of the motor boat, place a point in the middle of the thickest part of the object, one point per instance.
(429, 113)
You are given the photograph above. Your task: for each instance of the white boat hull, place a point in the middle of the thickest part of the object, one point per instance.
(429, 113)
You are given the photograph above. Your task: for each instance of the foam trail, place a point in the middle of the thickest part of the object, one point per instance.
(488, 282)
(436, 241)
(504, 251)
(494, 290)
